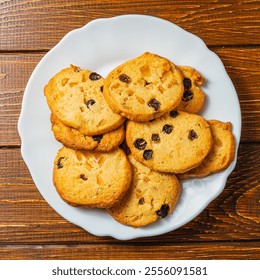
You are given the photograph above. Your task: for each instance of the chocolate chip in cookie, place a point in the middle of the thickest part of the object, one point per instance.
(90, 102)
(94, 76)
(174, 113)
(148, 154)
(167, 128)
(155, 137)
(140, 143)
(97, 137)
(83, 177)
(124, 78)
(187, 95)
(187, 83)
(141, 201)
(154, 104)
(59, 164)
(192, 135)
(163, 212)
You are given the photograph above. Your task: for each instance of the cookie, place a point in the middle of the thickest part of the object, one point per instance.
(74, 139)
(151, 196)
(221, 155)
(144, 88)
(75, 96)
(91, 179)
(176, 142)
(193, 97)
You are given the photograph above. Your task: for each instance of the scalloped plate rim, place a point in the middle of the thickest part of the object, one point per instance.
(24, 146)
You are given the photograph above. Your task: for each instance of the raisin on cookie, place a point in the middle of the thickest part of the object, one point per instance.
(151, 196)
(91, 179)
(144, 88)
(75, 96)
(176, 142)
(193, 97)
(221, 155)
(74, 139)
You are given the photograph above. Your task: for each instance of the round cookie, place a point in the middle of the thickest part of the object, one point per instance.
(91, 179)
(152, 195)
(75, 96)
(221, 155)
(74, 139)
(144, 88)
(193, 97)
(176, 142)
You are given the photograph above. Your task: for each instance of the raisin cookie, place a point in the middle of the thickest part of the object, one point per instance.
(193, 97)
(176, 142)
(144, 88)
(221, 155)
(75, 96)
(152, 195)
(74, 139)
(91, 179)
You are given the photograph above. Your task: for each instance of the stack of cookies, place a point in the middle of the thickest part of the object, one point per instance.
(153, 105)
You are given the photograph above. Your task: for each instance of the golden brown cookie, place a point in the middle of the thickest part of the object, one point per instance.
(193, 97)
(152, 195)
(91, 179)
(176, 142)
(75, 96)
(221, 155)
(74, 139)
(144, 88)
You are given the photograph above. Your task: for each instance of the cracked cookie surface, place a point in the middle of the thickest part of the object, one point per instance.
(176, 142)
(91, 179)
(144, 88)
(193, 97)
(75, 96)
(151, 196)
(74, 139)
(221, 155)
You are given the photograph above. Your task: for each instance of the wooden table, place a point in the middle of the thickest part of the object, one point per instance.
(227, 229)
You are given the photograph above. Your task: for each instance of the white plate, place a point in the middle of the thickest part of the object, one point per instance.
(99, 46)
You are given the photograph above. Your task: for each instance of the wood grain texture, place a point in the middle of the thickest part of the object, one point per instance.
(241, 64)
(36, 25)
(229, 228)
(15, 71)
(26, 217)
(220, 250)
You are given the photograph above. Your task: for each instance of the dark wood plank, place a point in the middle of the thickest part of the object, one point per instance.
(201, 251)
(27, 218)
(15, 70)
(227, 229)
(241, 64)
(37, 25)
